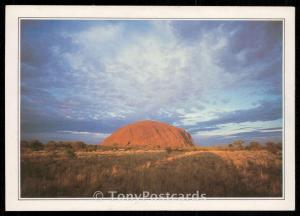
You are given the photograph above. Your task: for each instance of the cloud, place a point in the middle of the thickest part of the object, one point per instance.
(96, 76)
(265, 111)
(102, 135)
(271, 129)
(260, 136)
(89, 138)
(153, 66)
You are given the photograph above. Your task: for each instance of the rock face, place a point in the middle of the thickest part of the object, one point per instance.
(149, 134)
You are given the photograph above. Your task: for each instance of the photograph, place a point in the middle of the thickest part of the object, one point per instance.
(158, 106)
(151, 108)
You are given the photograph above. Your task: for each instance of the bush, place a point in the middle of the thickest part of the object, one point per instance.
(90, 148)
(254, 145)
(70, 153)
(169, 150)
(77, 145)
(273, 147)
(238, 144)
(36, 145)
(51, 145)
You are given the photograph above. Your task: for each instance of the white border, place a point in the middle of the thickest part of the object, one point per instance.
(112, 12)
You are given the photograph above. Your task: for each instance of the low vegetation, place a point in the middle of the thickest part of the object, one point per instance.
(75, 169)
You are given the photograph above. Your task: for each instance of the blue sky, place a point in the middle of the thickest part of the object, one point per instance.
(220, 80)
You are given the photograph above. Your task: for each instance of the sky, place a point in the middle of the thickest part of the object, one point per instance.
(219, 80)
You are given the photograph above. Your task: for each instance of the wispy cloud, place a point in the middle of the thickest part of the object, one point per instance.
(96, 76)
(265, 111)
(103, 135)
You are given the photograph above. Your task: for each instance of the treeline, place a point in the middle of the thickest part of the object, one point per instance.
(271, 146)
(36, 145)
(238, 145)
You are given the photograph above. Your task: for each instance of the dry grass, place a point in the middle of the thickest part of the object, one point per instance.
(214, 172)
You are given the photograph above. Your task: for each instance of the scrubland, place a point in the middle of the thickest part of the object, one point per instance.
(77, 170)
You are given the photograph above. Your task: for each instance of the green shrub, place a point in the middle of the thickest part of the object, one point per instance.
(70, 153)
(36, 145)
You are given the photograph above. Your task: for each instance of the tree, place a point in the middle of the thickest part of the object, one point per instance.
(238, 144)
(272, 147)
(78, 145)
(70, 153)
(36, 145)
(254, 145)
(51, 145)
(89, 148)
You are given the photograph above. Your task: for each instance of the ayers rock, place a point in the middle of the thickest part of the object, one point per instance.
(149, 134)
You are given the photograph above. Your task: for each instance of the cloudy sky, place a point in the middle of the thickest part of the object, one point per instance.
(220, 80)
